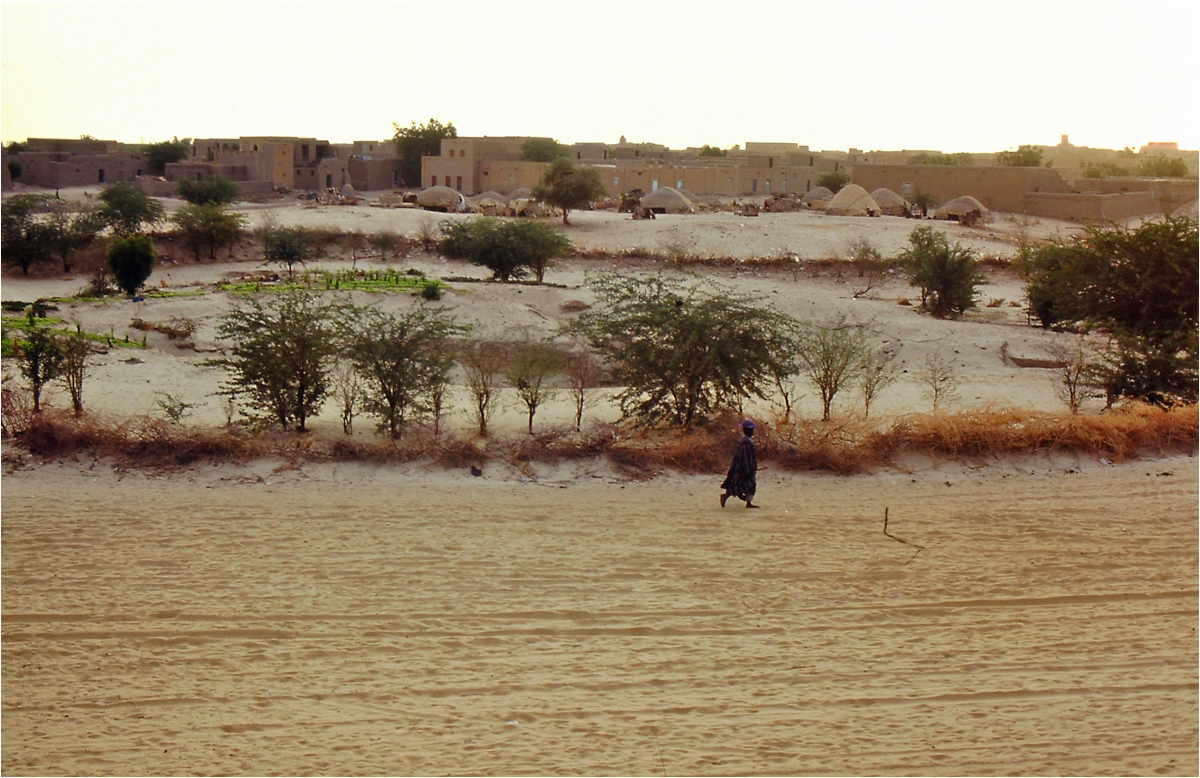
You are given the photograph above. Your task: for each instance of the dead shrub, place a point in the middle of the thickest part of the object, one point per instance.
(175, 328)
(1122, 434)
(16, 409)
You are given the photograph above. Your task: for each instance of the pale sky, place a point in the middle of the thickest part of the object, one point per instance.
(959, 76)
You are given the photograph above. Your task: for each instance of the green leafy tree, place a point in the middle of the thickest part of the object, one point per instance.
(40, 357)
(280, 355)
(531, 371)
(126, 208)
(286, 246)
(208, 226)
(567, 187)
(131, 260)
(73, 231)
(834, 180)
(542, 150)
(947, 275)
(214, 190)
(1141, 284)
(712, 151)
(684, 350)
(924, 201)
(26, 240)
(509, 248)
(419, 140)
(1162, 166)
(405, 359)
(1024, 156)
(165, 152)
(831, 354)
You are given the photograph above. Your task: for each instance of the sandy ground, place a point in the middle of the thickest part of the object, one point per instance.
(346, 620)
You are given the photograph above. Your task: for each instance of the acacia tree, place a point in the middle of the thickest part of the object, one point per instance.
(567, 187)
(530, 372)
(508, 248)
(75, 349)
(40, 356)
(877, 372)
(403, 358)
(417, 141)
(26, 240)
(940, 377)
(72, 231)
(126, 208)
(947, 275)
(280, 355)
(1140, 284)
(286, 246)
(831, 353)
(214, 190)
(208, 226)
(684, 350)
(483, 361)
(583, 373)
(167, 151)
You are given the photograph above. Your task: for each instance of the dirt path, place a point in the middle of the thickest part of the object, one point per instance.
(336, 622)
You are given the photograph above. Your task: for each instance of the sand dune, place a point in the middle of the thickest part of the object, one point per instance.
(353, 620)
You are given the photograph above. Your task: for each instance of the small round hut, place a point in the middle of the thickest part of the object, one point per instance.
(852, 200)
(890, 203)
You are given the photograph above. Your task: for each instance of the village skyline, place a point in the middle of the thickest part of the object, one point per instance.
(951, 77)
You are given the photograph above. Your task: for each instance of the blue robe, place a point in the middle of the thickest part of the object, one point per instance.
(740, 481)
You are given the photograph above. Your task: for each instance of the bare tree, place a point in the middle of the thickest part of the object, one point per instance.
(348, 391)
(1076, 358)
(831, 352)
(583, 373)
(484, 363)
(75, 352)
(941, 379)
(531, 372)
(877, 372)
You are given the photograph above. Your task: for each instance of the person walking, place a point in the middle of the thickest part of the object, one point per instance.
(740, 481)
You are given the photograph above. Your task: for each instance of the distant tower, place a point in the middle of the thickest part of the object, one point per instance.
(622, 141)
(1065, 142)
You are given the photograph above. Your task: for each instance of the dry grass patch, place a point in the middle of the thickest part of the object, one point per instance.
(843, 446)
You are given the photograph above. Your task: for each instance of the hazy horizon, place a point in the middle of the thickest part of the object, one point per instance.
(951, 77)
